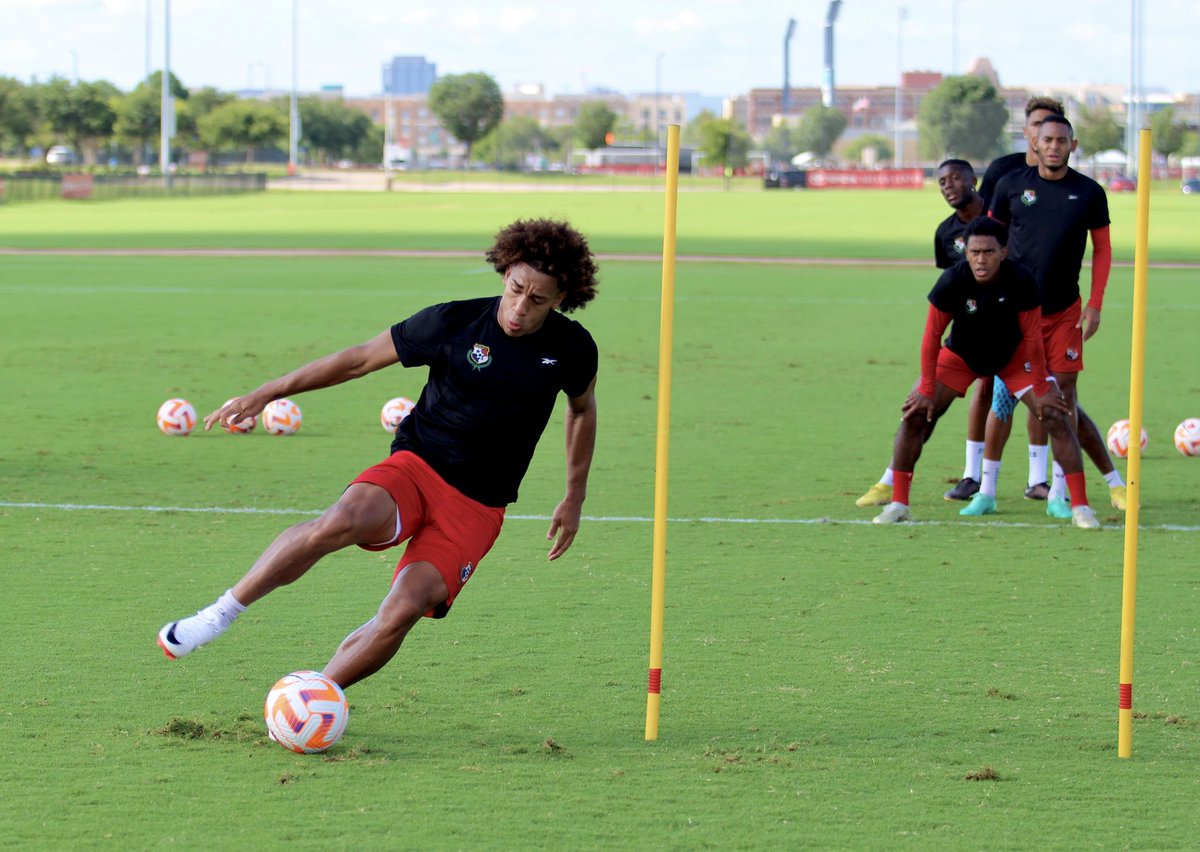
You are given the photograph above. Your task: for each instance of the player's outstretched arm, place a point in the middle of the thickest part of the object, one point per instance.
(581, 444)
(352, 363)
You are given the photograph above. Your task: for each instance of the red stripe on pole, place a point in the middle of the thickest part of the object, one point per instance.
(1126, 690)
(655, 685)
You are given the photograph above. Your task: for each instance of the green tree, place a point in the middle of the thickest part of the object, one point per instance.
(963, 117)
(81, 115)
(1167, 135)
(330, 128)
(243, 125)
(467, 105)
(724, 143)
(819, 128)
(514, 141)
(881, 145)
(138, 121)
(780, 143)
(1097, 130)
(18, 113)
(593, 124)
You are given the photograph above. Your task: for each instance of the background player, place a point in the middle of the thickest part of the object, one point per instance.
(991, 306)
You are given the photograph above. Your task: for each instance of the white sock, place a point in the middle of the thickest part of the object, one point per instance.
(225, 609)
(888, 479)
(990, 471)
(1039, 454)
(1058, 486)
(974, 460)
(1113, 478)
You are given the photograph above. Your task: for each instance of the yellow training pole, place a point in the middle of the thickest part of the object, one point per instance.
(658, 584)
(1137, 373)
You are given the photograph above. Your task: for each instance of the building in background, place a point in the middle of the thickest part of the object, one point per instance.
(408, 75)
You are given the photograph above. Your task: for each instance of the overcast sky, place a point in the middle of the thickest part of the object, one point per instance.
(713, 47)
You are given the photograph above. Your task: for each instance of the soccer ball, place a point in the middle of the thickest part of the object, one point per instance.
(281, 417)
(1118, 438)
(306, 712)
(395, 410)
(176, 417)
(1187, 437)
(243, 426)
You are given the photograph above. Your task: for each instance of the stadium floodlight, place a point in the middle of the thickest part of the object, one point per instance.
(787, 39)
(166, 124)
(293, 111)
(898, 116)
(828, 93)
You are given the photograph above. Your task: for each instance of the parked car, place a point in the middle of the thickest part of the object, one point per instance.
(784, 179)
(1191, 185)
(1121, 183)
(60, 155)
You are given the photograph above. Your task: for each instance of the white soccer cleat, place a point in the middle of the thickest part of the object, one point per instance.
(1084, 518)
(893, 513)
(180, 638)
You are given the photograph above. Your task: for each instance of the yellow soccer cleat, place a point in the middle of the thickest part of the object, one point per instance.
(877, 495)
(1118, 495)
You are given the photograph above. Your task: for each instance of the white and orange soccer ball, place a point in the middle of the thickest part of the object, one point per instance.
(176, 417)
(1187, 437)
(395, 410)
(1118, 438)
(281, 417)
(243, 426)
(306, 712)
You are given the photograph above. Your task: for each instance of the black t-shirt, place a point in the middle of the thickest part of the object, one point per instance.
(950, 241)
(985, 330)
(489, 396)
(1048, 225)
(997, 169)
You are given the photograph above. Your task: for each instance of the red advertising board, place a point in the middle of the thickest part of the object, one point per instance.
(865, 178)
(77, 186)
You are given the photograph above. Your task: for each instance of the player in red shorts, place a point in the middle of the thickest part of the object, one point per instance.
(1051, 210)
(992, 310)
(496, 368)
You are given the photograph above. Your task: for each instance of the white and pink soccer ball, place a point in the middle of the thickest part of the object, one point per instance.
(306, 712)
(176, 417)
(395, 410)
(1118, 438)
(281, 417)
(243, 426)
(1187, 437)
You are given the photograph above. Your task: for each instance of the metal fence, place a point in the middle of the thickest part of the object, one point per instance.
(40, 187)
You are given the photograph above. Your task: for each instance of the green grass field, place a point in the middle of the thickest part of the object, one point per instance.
(827, 683)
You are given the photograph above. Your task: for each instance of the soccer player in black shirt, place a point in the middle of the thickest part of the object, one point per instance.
(956, 180)
(991, 306)
(496, 366)
(1052, 210)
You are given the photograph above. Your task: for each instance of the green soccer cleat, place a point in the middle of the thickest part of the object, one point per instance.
(877, 495)
(1059, 508)
(981, 504)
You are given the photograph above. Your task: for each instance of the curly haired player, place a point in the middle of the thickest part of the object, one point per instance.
(496, 367)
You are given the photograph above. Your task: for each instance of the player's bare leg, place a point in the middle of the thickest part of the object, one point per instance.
(915, 430)
(1069, 456)
(418, 589)
(363, 514)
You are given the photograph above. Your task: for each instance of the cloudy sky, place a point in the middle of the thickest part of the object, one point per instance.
(713, 47)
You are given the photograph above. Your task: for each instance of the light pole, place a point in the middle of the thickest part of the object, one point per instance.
(293, 112)
(149, 23)
(898, 117)
(828, 88)
(1133, 115)
(657, 109)
(787, 65)
(167, 125)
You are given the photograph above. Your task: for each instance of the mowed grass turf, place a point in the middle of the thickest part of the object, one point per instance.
(826, 683)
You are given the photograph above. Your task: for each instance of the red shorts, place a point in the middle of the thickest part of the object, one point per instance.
(1062, 340)
(442, 525)
(953, 372)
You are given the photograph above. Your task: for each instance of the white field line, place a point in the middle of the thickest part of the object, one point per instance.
(630, 519)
